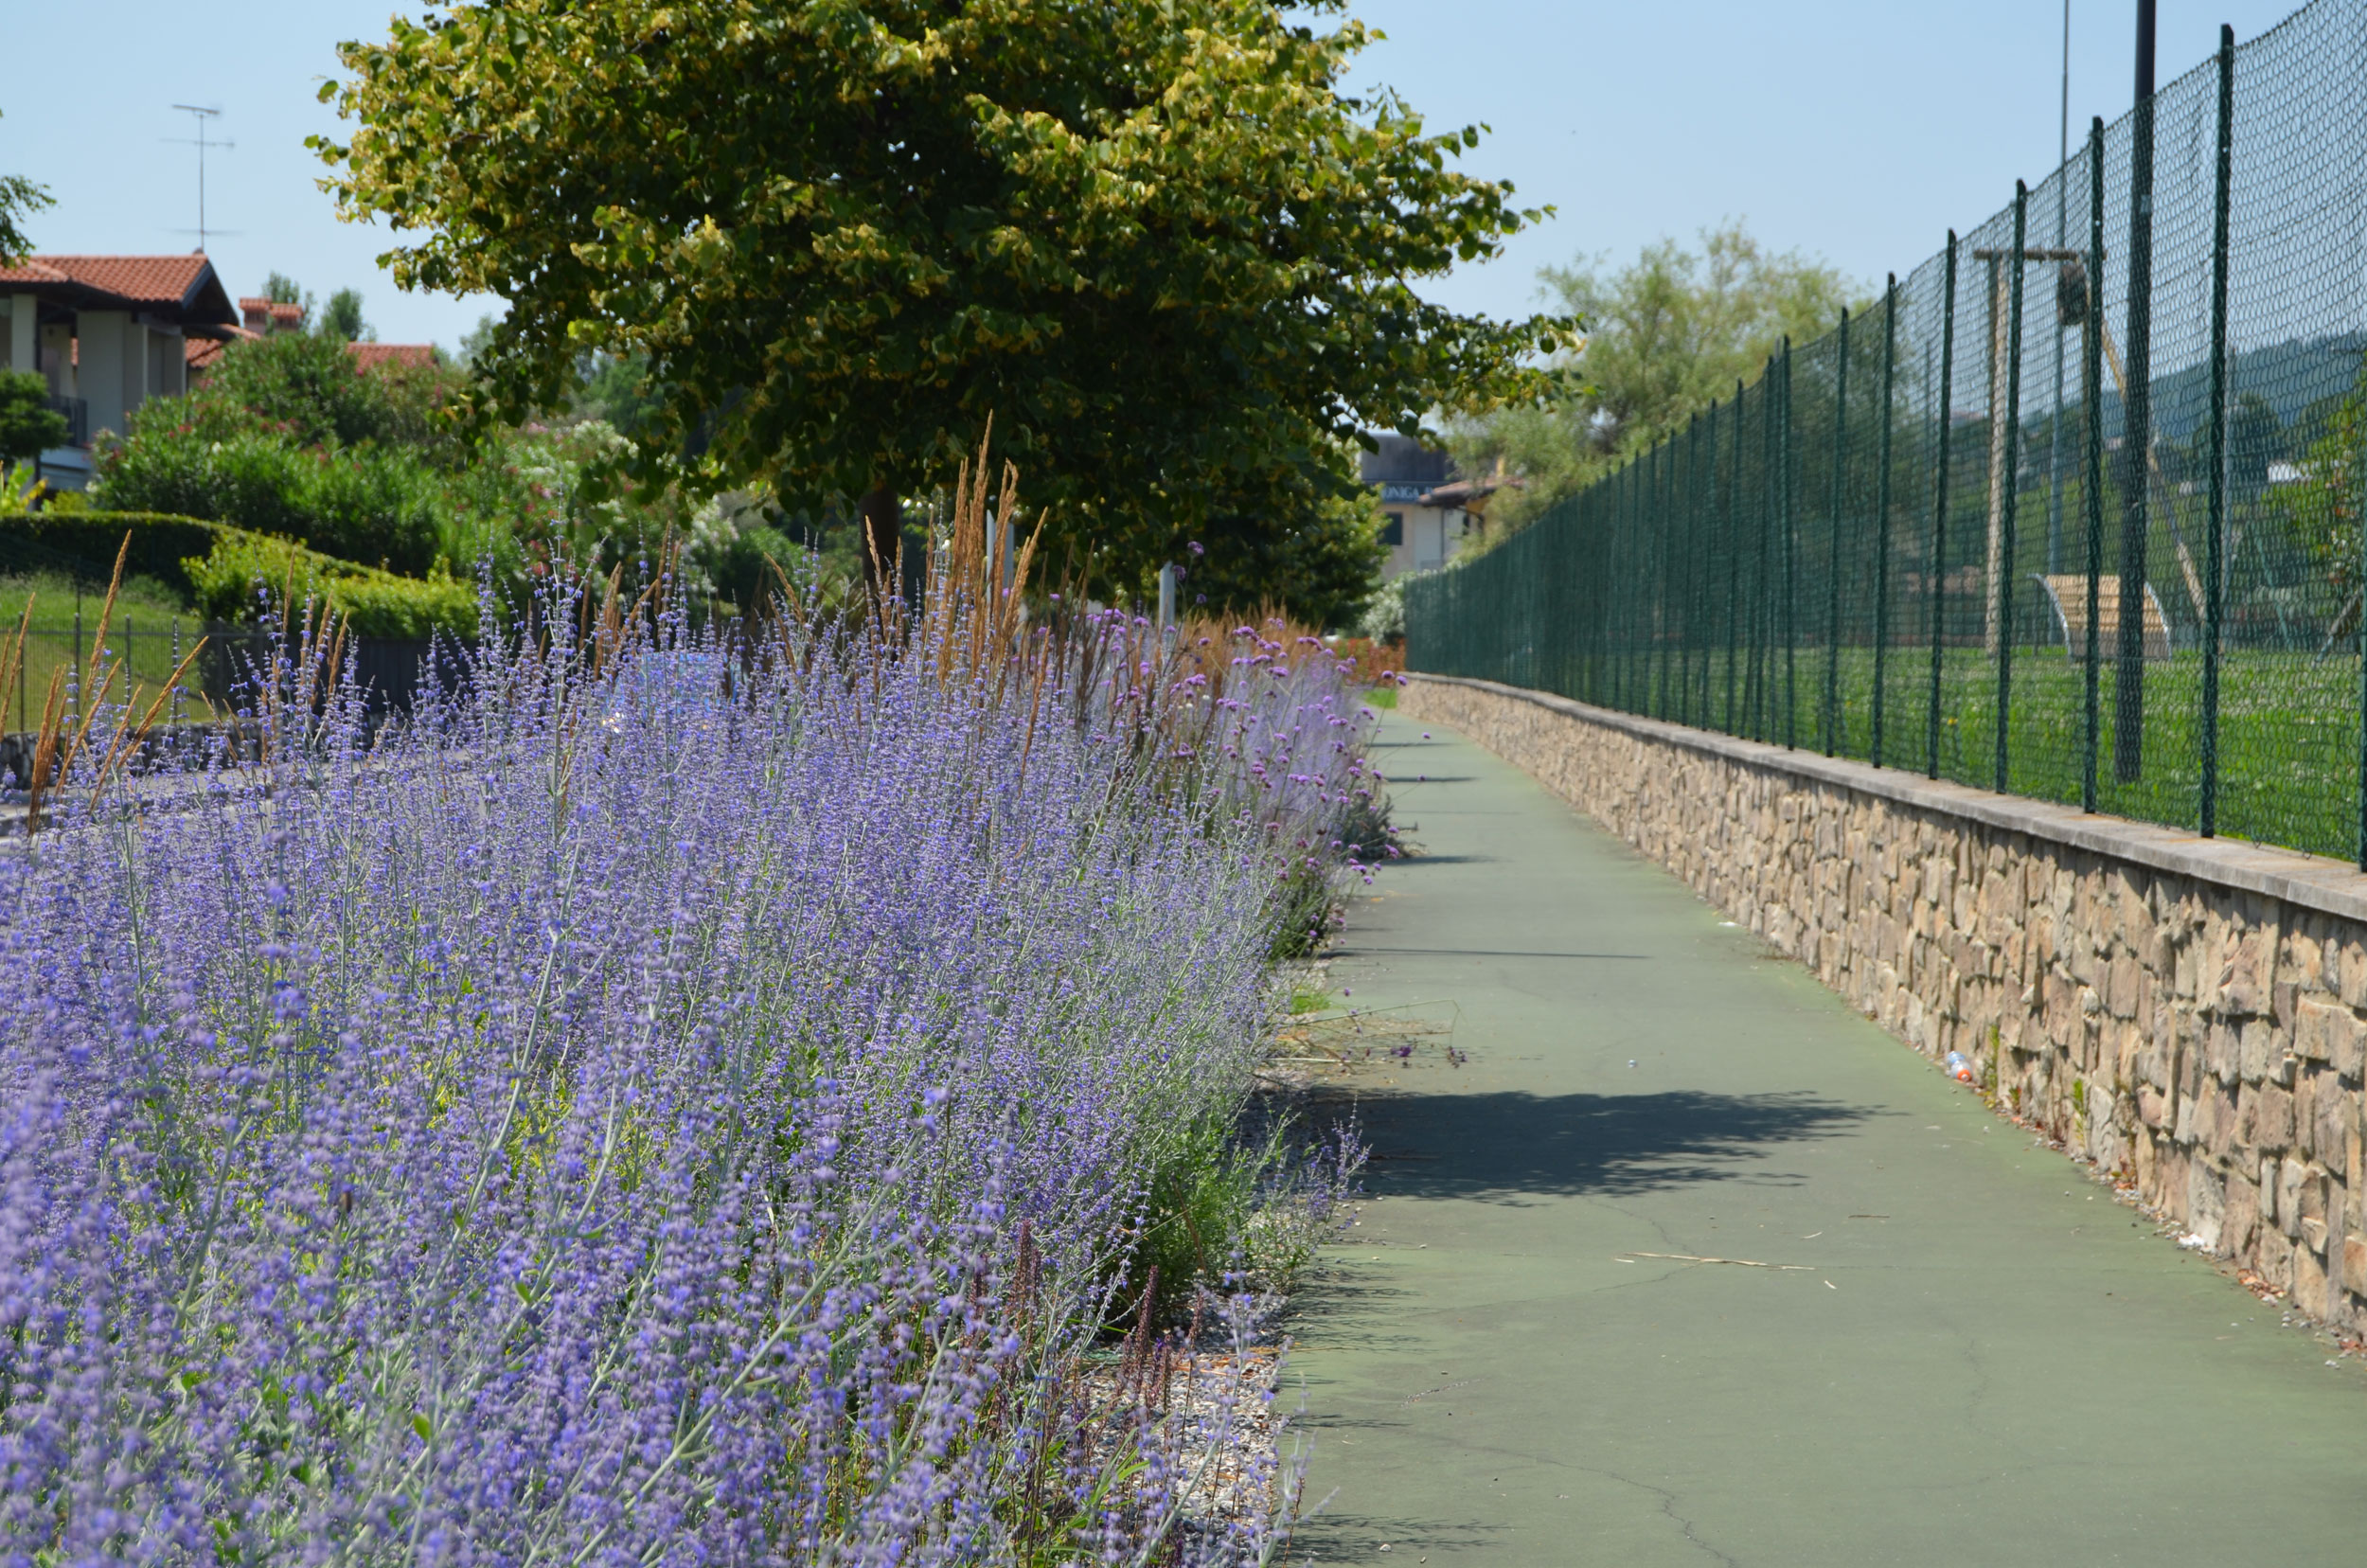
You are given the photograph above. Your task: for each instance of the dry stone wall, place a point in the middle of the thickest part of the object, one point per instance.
(2191, 1015)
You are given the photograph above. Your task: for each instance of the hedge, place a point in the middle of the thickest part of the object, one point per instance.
(218, 567)
(84, 543)
(230, 581)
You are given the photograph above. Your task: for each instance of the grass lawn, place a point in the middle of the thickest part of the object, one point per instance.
(143, 633)
(2288, 728)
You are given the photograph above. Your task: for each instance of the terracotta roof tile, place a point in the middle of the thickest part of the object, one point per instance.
(181, 286)
(32, 269)
(283, 315)
(158, 280)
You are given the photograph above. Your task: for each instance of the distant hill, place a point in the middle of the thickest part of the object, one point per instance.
(2290, 376)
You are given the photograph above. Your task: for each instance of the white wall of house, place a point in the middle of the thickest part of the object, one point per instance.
(56, 359)
(21, 322)
(100, 367)
(1428, 537)
(168, 365)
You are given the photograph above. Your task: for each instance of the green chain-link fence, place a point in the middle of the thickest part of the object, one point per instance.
(2072, 512)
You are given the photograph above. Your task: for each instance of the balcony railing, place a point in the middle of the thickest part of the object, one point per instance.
(77, 414)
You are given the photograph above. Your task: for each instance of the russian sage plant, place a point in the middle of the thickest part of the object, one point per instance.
(670, 1100)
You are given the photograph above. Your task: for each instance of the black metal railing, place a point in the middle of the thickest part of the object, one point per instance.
(77, 412)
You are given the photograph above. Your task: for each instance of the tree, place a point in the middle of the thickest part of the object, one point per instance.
(1155, 244)
(20, 198)
(2255, 438)
(1667, 333)
(282, 290)
(29, 427)
(341, 318)
(615, 387)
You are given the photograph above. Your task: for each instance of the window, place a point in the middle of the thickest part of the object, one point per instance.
(1393, 528)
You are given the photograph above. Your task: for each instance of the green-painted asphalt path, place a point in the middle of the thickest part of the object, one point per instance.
(1982, 1358)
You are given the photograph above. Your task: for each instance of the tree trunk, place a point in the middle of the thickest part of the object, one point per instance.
(882, 512)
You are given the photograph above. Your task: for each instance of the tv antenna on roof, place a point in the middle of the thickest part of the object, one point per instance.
(201, 142)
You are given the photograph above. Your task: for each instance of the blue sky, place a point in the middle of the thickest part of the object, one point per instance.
(1856, 130)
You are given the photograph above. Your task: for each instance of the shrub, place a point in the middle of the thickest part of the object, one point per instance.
(361, 504)
(229, 581)
(84, 544)
(309, 389)
(673, 1107)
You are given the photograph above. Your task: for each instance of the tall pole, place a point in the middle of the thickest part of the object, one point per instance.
(2054, 441)
(1882, 512)
(1938, 572)
(1791, 563)
(1681, 488)
(1832, 559)
(2004, 591)
(2091, 481)
(2128, 683)
(1663, 461)
(1732, 500)
(1765, 622)
(202, 143)
(2213, 587)
(2001, 457)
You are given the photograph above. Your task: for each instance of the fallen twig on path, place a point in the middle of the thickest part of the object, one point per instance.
(1738, 1262)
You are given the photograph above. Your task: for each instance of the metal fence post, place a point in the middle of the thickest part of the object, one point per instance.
(1832, 561)
(2356, 458)
(2128, 684)
(1629, 611)
(1681, 515)
(1663, 460)
(1937, 573)
(1685, 712)
(1704, 476)
(2092, 382)
(2215, 587)
(1882, 511)
(1792, 563)
(1762, 669)
(1734, 551)
(2003, 590)
(1606, 602)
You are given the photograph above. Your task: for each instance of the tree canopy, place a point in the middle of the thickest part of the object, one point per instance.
(341, 318)
(1666, 334)
(20, 198)
(29, 427)
(1156, 243)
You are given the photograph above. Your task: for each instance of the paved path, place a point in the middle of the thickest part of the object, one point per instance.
(1986, 1359)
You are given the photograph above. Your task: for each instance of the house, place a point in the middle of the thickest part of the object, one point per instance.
(1421, 537)
(262, 317)
(107, 332)
(1429, 510)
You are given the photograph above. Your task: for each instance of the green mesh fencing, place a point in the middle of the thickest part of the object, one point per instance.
(2071, 511)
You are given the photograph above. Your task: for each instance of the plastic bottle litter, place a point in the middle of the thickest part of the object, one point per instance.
(1959, 1067)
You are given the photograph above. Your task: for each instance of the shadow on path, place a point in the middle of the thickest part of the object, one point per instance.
(1510, 1143)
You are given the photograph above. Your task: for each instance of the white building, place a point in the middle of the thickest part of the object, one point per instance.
(1424, 530)
(107, 332)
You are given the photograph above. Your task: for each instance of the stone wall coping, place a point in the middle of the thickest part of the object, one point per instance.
(2307, 881)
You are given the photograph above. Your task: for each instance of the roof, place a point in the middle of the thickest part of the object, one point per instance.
(1467, 494)
(373, 356)
(284, 315)
(180, 286)
(199, 354)
(1404, 461)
